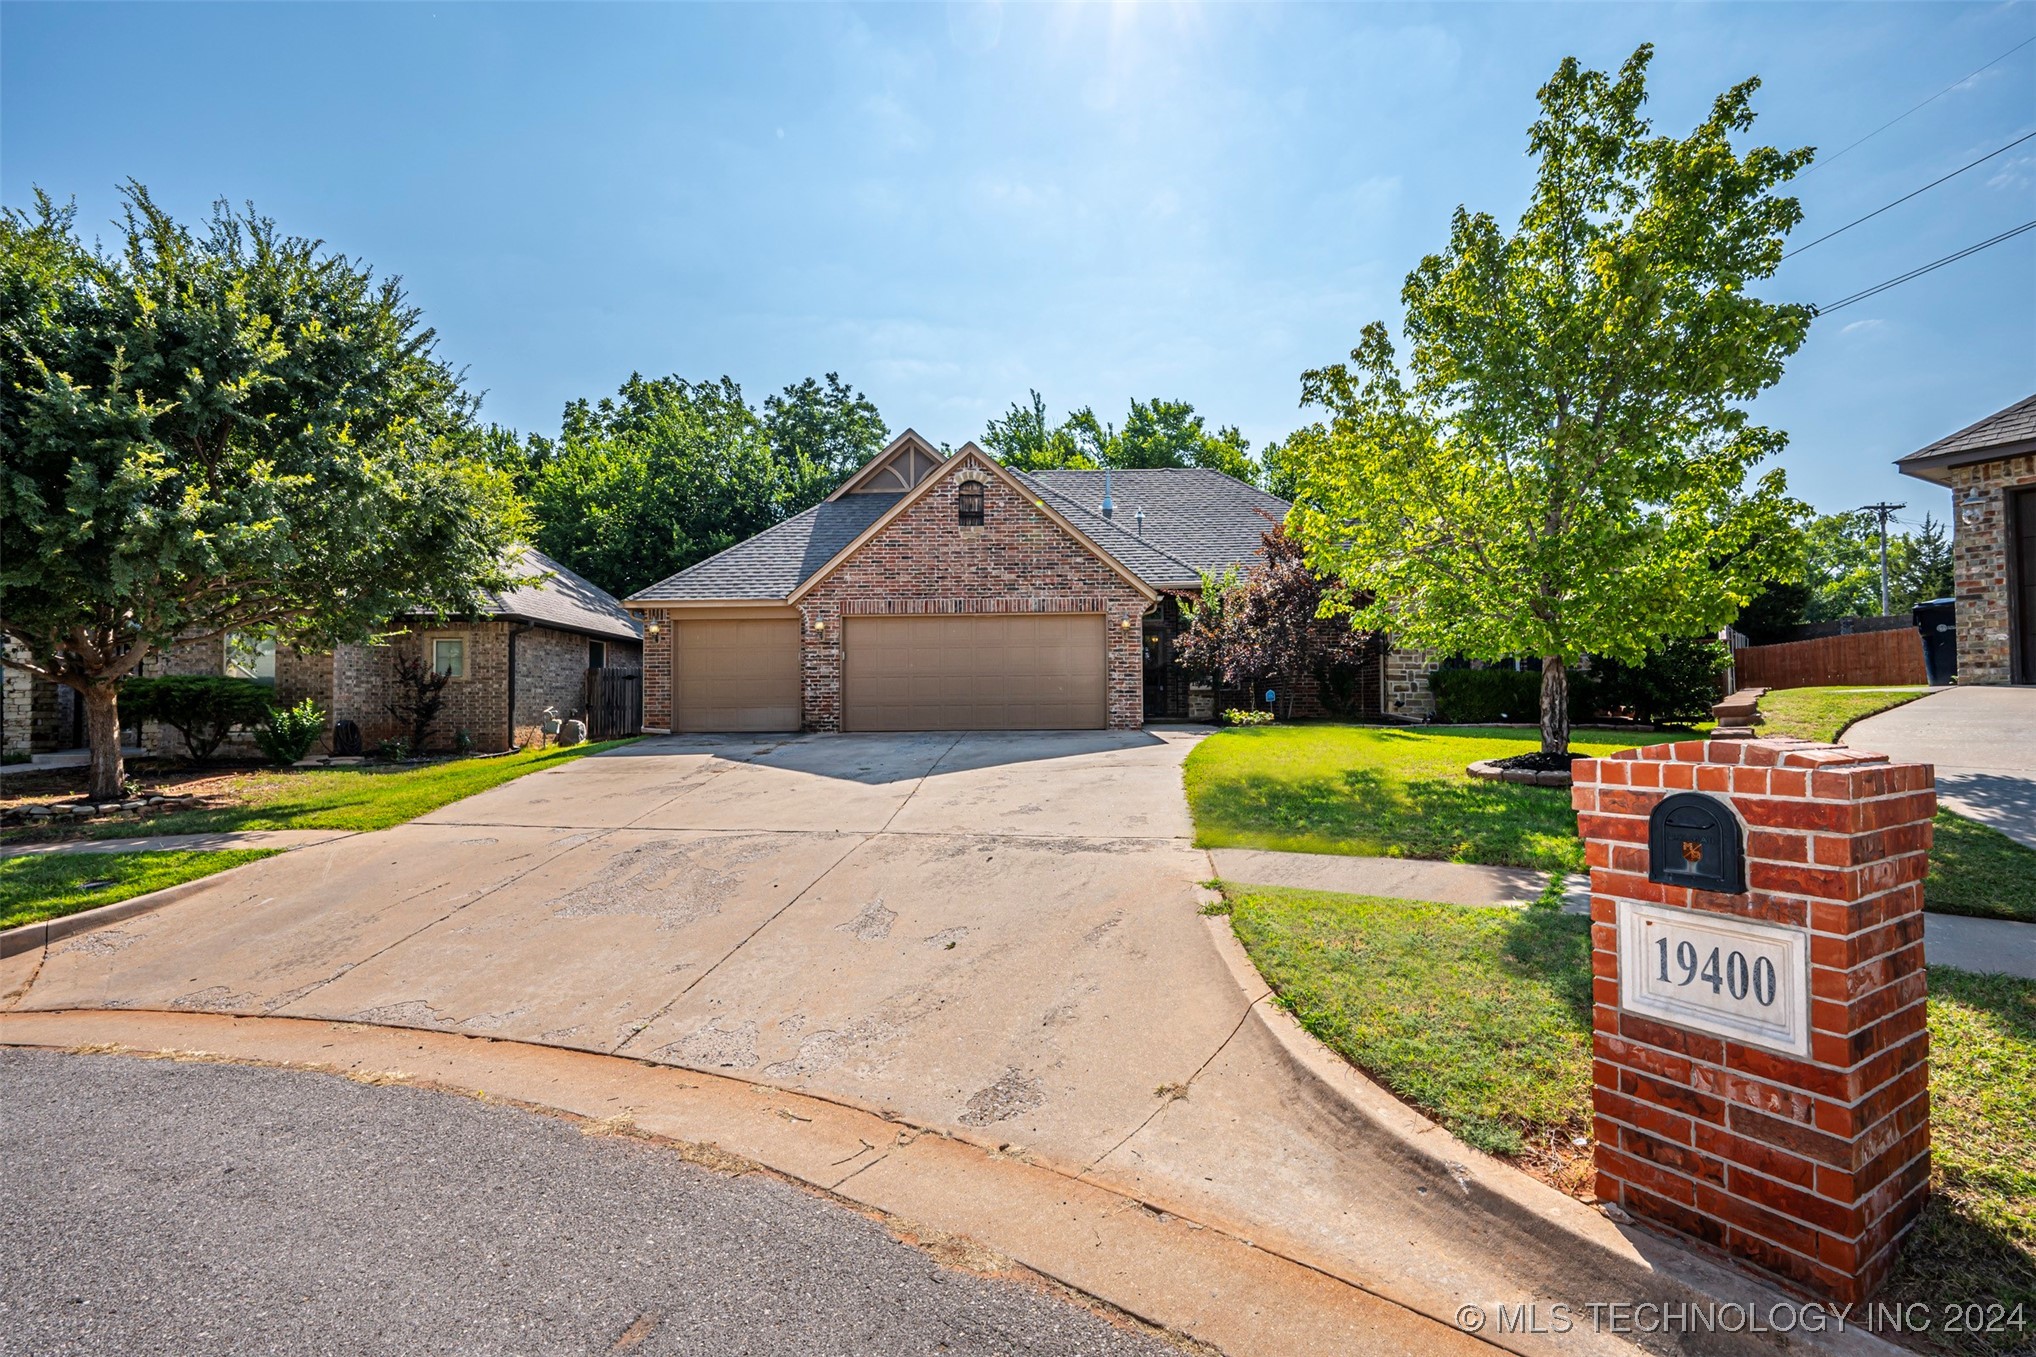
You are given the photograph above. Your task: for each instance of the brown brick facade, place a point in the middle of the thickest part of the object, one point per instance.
(925, 561)
(1980, 565)
(657, 670)
(358, 683)
(1810, 1166)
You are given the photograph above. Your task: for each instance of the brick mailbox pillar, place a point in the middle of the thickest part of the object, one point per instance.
(1761, 1073)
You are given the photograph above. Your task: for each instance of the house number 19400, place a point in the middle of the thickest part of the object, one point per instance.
(1738, 978)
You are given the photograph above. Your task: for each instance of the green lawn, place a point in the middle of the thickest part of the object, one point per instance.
(1979, 871)
(362, 798)
(1482, 1019)
(1384, 791)
(49, 885)
(1824, 713)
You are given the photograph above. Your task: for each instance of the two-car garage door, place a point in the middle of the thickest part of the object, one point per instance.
(997, 671)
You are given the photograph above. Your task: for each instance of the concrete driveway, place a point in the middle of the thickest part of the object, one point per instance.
(969, 930)
(1983, 741)
(996, 935)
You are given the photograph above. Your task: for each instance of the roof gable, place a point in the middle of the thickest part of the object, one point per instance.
(972, 460)
(905, 461)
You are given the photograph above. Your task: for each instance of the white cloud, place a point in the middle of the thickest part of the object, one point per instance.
(2017, 172)
(1864, 327)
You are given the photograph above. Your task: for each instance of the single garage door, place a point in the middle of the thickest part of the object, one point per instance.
(1021, 671)
(736, 675)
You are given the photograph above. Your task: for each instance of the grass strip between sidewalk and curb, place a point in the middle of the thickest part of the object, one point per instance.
(1481, 1018)
(38, 887)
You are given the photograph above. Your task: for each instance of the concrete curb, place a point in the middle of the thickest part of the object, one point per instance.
(1579, 1252)
(1177, 1275)
(29, 937)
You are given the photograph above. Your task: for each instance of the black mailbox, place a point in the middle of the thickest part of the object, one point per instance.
(1694, 840)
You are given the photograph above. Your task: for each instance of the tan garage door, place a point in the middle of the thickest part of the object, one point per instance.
(1001, 672)
(736, 675)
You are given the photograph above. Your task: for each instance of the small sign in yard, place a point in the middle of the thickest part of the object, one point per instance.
(1729, 977)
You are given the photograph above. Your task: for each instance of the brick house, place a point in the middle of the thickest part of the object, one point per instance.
(1990, 469)
(530, 647)
(931, 593)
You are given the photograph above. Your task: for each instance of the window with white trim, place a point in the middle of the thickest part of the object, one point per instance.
(449, 655)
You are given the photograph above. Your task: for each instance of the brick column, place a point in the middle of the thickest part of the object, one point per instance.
(1805, 1151)
(657, 670)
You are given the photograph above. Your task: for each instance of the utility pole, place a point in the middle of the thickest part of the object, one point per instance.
(1882, 511)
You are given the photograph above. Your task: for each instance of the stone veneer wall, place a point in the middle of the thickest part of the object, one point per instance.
(35, 716)
(1019, 561)
(1979, 555)
(1407, 693)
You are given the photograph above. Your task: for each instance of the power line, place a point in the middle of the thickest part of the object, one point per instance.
(1906, 196)
(1932, 266)
(1919, 107)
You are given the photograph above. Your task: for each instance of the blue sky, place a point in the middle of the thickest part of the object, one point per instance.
(951, 204)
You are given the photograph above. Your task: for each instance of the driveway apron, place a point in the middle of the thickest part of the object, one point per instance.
(1983, 741)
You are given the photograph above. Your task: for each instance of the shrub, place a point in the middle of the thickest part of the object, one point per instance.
(393, 750)
(203, 708)
(1471, 696)
(1238, 716)
(1675, 685)
(420, 693)
(289, 732)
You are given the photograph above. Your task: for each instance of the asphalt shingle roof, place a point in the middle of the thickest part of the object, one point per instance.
(1195, 520)
(1200, 518)
(777, 560)
(2003, 428)
(561, 599)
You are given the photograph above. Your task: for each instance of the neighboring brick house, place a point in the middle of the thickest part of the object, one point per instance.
(1990, 468)
(932, 593)
(532, 647)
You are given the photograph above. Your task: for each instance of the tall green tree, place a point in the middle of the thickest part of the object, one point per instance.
(819, 435)
(1157, 433)
(222, 429)
(648, 481)
(1561, 468)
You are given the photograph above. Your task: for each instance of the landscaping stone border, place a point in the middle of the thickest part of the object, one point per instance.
(1489, 770)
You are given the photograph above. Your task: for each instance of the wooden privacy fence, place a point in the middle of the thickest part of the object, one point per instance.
(614, 703)
(1865, 659)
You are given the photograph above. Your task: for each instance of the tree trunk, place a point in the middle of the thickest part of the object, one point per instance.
(108, 781)
(1554, 705)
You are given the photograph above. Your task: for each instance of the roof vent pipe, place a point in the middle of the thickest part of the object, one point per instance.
(1139, 520)
(1109, 505)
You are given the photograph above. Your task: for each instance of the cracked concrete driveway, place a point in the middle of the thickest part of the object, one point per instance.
(970, 931)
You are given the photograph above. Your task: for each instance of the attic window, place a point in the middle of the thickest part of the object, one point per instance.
(968, 504)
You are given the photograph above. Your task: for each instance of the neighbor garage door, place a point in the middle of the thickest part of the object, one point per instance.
(736, 675)
(998, 672)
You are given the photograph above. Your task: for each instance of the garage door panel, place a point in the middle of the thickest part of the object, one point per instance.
(736, 675)
(1020, 671)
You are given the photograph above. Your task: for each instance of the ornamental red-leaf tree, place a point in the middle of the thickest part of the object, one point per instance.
(1560, 466)
(1266, 625)
(222, 430)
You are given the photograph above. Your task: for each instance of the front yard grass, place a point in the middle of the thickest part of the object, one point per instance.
(1979, 871)
(1481, 1018)
(1824, 713)
(40, 886)
(361, 798)
(1385, 791)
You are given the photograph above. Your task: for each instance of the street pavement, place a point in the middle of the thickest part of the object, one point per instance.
(165, 1207)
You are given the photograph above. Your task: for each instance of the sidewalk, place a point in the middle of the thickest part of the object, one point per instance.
(282, 839)
(1997, 945)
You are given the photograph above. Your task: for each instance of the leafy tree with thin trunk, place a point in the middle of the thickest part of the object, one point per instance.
(220, 430)
(1561, 467)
